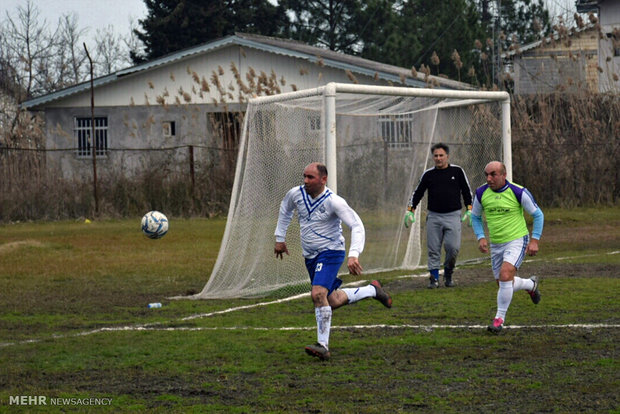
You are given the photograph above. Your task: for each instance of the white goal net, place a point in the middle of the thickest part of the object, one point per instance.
(376, 144)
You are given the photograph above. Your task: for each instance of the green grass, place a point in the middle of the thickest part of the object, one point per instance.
(67, 289)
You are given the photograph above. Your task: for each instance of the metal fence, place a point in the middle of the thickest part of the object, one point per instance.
(182, 180)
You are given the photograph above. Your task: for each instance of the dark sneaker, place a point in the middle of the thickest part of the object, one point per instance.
(447, 277)
(382, 296)
(433, 283)
(496, 326)
(319, 351)
(534, 293)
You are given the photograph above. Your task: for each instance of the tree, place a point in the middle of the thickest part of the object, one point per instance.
(327, 23)
(35, 60)
(527, 20)
(26, 53)
(41, 60)
(69, 63)
(523, 21)
(173, 25)
(441, 27)
(380, 37)
(437, 34)
(133, 44)
(27, 49)
(459, 38)
(110, 52)
(508, 24)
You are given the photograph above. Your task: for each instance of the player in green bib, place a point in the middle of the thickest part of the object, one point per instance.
(503, 203)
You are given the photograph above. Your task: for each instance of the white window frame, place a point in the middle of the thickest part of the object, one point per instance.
(169, 129)
(397, 131)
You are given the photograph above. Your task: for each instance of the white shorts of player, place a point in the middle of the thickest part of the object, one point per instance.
(512, 252)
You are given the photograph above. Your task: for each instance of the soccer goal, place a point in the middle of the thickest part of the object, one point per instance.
(376, 144)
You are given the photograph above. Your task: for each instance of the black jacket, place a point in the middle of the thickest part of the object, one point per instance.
(445, 188)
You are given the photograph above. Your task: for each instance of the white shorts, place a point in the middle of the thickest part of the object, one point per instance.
(512, 252)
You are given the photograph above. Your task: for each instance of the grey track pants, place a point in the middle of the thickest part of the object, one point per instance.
(443, 228)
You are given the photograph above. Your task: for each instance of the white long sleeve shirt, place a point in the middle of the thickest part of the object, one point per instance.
(320, 222)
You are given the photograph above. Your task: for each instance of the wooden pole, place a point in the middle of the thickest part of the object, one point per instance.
(192, 172)
(93, 139)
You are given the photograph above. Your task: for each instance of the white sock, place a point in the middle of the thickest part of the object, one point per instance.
(504, 297)
(355, 294)
(323, 324)
(522, 284)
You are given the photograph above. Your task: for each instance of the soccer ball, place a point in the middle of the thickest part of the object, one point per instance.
(154, 225)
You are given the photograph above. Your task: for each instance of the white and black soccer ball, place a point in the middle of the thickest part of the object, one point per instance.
(154, 225)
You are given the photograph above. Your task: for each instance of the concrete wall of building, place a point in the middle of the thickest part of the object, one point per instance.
(188, 92)
(562, 64)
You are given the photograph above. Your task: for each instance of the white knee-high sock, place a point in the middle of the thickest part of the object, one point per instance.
(522, 284)
(504, 297)
(323, 324)
(355, 294)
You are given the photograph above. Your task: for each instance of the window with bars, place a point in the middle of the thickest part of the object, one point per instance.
(82, 130)
(396, 130)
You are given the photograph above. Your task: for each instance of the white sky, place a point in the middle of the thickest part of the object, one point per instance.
(565, 8)
(91, 14)
(98, 14)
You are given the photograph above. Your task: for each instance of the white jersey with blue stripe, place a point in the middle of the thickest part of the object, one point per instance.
(320, 222)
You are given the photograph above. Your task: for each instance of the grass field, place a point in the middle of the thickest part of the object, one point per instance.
(76, 334)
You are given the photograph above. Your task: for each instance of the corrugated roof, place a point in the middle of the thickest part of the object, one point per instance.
(353, 63)
(278, 46)
(63, 93)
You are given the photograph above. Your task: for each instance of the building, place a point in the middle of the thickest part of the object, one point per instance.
(193, 99)
(586, 57)
(608, 12)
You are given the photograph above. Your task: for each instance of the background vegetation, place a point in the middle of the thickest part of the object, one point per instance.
(554, 136)
(566, 150)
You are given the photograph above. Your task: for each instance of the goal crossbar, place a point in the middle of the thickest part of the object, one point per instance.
(334, 87)
(330, 91)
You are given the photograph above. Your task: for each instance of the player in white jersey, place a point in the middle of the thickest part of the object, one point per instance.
(320, 213)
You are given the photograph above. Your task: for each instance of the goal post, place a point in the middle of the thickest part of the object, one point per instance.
(375, 142)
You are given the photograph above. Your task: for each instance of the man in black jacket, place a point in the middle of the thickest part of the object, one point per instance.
(446, 184)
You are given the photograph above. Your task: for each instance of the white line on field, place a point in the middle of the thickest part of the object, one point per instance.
(356, 283)
(204, 315)
(488, 258)
(302, 295)
(348, 327)
(155, 327)
(585, 255)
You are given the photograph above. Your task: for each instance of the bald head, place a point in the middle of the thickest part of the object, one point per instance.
(495, 172)
(496, 166)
